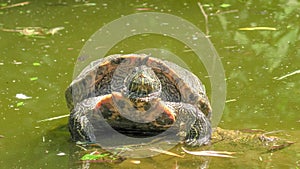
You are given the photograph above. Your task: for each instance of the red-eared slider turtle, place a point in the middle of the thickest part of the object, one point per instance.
(138, 95)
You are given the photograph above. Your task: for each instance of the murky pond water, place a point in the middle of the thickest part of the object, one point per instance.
(258, 42)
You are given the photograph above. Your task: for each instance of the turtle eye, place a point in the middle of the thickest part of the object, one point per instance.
(143, 93)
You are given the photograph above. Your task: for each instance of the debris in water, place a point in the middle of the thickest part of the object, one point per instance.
(287, 75)
(165, 152)
(15, 5)
(54, 118)
(34, 31)
(143, 9)
(226, 12)
(22, 96)
(135, 161)
(17, 63)
(252, 130)
(261, 28)
(85, 4)
(280, 147)
(225, 154)
(205, 18)
(231, 100)
(61, 154)
(81, 147)
(55, 30)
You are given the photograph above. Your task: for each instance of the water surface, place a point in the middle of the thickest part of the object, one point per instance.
(253, 60)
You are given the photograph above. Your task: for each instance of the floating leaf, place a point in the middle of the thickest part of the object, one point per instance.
(33, 78)
(20, 104)
(225, 5)
(93, 156)
(36, 64)
(223, 20)
(3, 4)
(89, 157)
(22, 96)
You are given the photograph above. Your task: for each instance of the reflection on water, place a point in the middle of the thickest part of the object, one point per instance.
(254, 61)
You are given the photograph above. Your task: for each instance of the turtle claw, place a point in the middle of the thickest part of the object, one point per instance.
(197, 141)
(200, 131)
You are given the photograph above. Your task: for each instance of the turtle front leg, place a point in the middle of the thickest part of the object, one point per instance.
(194, 126)
(199, 132)
(81, 125)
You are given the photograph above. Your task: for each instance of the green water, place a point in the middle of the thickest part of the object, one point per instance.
(253, 61)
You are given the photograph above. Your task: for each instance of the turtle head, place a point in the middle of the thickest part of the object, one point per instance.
(142, 87)
(142, 84)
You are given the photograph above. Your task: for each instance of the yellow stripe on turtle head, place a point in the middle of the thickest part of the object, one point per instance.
(142, 82)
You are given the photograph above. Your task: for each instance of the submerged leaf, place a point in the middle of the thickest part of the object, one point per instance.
(225, 5)
(241, 38)
(20, 104)
(36, 64)
(33, 78)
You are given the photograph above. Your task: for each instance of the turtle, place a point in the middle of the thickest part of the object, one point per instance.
(138, 95)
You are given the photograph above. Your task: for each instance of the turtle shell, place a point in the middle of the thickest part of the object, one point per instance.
(107, 75)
